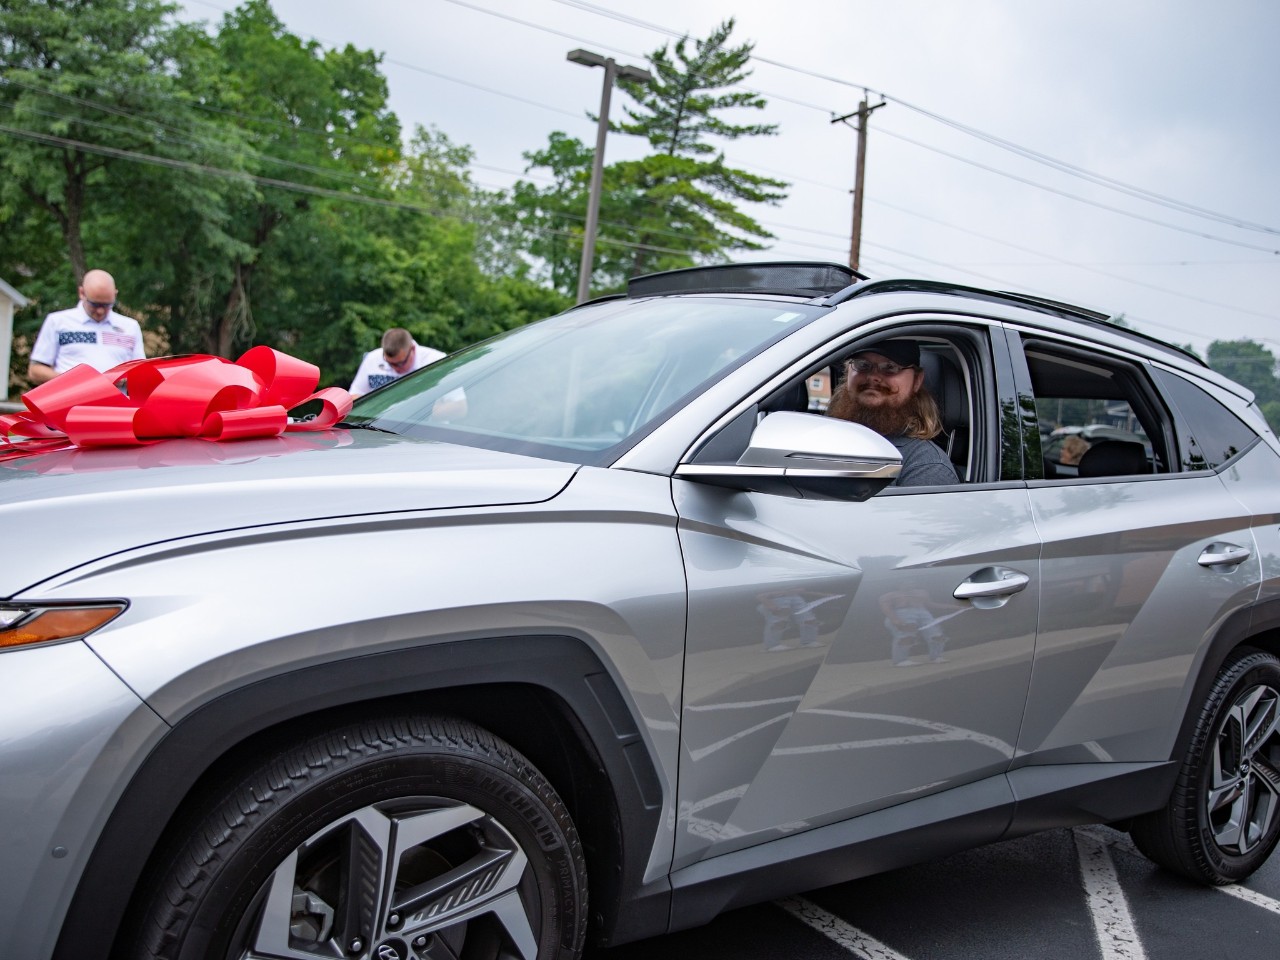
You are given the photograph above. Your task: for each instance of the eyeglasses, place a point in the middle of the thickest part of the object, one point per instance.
(886, 369)
(97, 305)
(402, 362)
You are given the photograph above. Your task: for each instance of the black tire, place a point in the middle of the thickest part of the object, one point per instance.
(398, 837)
(1223, 819)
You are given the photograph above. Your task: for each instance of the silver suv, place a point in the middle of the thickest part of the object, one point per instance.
(593, 631)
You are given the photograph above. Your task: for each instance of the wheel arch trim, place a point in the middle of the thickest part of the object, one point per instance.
(561, 666)
(1240, 628)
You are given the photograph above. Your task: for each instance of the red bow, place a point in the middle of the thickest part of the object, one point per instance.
(188, 396)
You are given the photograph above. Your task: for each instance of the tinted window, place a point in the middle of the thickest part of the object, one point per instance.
(1095, 407)
(1212, 434)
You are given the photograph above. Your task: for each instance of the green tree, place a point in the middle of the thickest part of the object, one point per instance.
(1252, 365)
(317, 121)
(413, 264)
(100, 134)
(1248, 363)
(76, 80)
(685, 195)
(247, 187)
(546, 222)
(678, 206)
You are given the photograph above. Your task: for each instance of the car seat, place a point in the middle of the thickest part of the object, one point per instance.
(943, 381)
(1114, 458)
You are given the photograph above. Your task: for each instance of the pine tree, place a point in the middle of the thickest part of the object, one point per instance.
(687, 196)
(677, 207)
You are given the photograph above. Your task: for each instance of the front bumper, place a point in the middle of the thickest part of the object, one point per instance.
(71, 734)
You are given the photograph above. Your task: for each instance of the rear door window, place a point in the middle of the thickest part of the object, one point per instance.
(1209, 433)
(1097, 416)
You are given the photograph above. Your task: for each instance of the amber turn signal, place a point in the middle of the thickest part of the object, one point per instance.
(20, 627)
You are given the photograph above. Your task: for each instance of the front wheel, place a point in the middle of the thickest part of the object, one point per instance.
(405, 838)
(1223, 819)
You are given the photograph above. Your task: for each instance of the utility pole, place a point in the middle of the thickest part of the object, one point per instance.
(859, 173)
(611, 71)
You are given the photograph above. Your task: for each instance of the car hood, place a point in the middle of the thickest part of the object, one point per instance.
(68, 507)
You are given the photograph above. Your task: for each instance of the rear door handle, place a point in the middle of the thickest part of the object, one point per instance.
(992, 582)
(1223, 555)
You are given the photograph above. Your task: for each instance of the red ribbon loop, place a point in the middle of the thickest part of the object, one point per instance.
(143, 401)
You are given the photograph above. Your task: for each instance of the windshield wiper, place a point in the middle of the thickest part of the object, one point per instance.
(364, 426)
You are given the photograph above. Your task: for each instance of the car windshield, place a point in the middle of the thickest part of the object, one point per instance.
(584, 385)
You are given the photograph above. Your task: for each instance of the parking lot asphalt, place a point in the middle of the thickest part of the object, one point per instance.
(1075, 894)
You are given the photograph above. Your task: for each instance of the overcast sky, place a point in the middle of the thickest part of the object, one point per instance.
(1177, 98)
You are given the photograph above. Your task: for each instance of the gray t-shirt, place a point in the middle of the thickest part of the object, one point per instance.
(923, 463)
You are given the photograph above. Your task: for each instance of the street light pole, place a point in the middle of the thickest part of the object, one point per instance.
(611, 71)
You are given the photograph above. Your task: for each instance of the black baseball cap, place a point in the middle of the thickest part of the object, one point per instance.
(905, 353)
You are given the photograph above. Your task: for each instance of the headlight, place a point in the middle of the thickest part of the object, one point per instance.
(22, 625)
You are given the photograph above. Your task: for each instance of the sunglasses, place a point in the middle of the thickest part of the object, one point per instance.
(402, 362)
(99, 305)
(886, 369)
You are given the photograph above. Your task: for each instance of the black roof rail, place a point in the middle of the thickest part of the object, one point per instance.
(794, 278)
(601, 298)
(1053, 308)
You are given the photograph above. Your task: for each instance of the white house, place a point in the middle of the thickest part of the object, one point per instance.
(10, 299)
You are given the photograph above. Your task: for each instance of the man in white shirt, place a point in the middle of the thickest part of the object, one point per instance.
(90, 332)
(398, 355)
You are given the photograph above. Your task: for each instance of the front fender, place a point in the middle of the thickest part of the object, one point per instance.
(563, 670)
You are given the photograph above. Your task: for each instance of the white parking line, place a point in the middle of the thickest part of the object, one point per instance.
(1118, 841)
(1252, 896)
(1112, 922)
(860, 944)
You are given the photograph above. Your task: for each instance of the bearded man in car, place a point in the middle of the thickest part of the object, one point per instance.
(884, 389)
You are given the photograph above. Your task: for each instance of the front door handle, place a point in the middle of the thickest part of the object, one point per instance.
(1223, 555)
(992, 582)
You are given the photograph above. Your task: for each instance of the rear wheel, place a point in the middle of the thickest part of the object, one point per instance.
(1223, 819)
(393, 839)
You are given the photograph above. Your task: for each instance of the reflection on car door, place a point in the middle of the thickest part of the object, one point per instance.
(830, 669)
(1137, 571)
(1128, 593)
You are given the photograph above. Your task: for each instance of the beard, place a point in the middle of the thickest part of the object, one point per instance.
(894, 416)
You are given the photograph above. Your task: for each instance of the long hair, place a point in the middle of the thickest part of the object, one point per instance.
(919, 417)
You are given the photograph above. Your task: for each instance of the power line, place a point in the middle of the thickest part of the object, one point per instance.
(192, 167)
(1025, 152)
(152, 120)
(1101, 179)
(626, 53)
(545, 29)
(205, 169)
(1073, 263)
(635, 21)
(1005, 284)
(1072, 196)
(1081, 266)
(327, 135)
(587, 6)
(259, 157)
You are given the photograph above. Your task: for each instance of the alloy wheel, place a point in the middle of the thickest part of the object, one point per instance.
(1243, 792)
(396, 881)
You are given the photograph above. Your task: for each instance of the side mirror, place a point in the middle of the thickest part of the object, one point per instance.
(805, 455)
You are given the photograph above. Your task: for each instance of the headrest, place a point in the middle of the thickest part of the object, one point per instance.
(1113, 458)
(942, 380)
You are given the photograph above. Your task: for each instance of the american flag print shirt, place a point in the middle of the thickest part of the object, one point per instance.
(71, 337)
